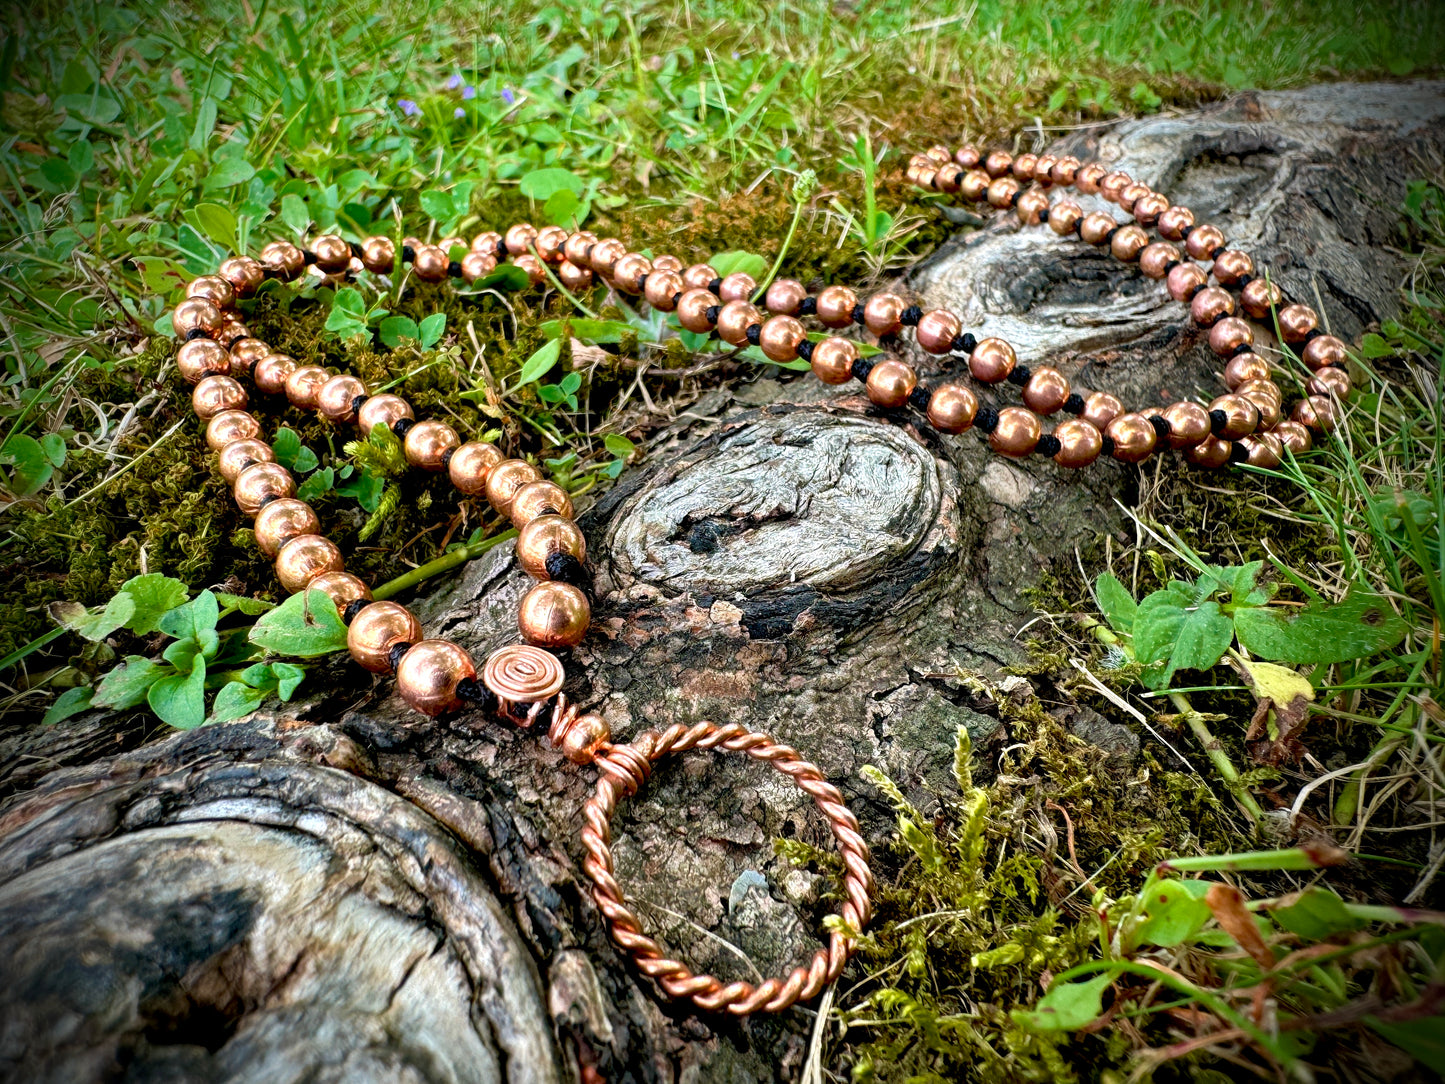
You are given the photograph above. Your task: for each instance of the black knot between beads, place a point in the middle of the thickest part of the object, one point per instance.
(964, 344)
(805, 349)
(502, 250)
(986, 419)
(1170, 266)
(910, 316)
(1044, 215)
(408, 254)
(642, 285)
(1312, 334)
(196, 333)
(268, 498)
(809, 307)
(1074, 404)
(1048, 445)
(714, 286)
(1244, 280)
(676, 298)
(711, 313)
(1013, 200)
(1243, 348)
(861, 368)
(1161, 425)
(754, 333)
(358, 403)
(1238, 453)
(565, 568)
(401, 427)
(354, 607)
(394, 656)
(308, 256)
(355, 249)
(918, 398)
(857, 314)
(1107, 446)
(474, 692)
(454, 269)
(1185, 232)
(1109, 237)
(1218, 419)
(447, 458)
(1019, 375)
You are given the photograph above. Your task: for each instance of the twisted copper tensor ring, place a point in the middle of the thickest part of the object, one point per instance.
(623, 769)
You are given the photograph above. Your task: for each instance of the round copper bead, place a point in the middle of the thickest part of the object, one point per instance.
(628, 272)
(833, 359)
(1173, 222)
(283, 260)
(1065, 216)
(282, 520)
(477, 266)
(521, 238)
(584, 739)
(1023, 166)
(992, 360)
(535, 268)
(780, 337)
(228, 426)
(427, 443)
(699, 276)
(967, 156)
(1044, 169)
(385, 409)
(505, 479)
(1100, 408)
(1131, 194)
(342, 588)
(1156, 259)
(1296, 322)
(304, 385)
(214, 394)
(1262, 450)
(1065, 171)
(487, 242)
(949, 178)
(1328, 382)
(1133, 436)
(212, 288)
(662, 287)
(835, 306)
(1046, 391)
(1294, 436)
(881, 314)
(952, 408)
(428, 675)
(271, 372)
(1317, 412)
(260, 481)
(1128, 242)
(542, 537)
(1210, 453)
(240, 454)
(1097, 226)
(998, 163)
(785, 297)
(470, 465)
(430, 263)
(668, 263)
(196, 314)
(1232, 265)
(576, 278)
(574, 249)
(246, 353)
(200, 358)
(1243, 368)
(1113, 183)
(378, 255)
(1185, 281)
(692, 309)
(1322, 351)
(1002, 191)
(1031, 206)
(1203, 242)
(1087, 179)
(974, 184)
(1266, 397)
(737, 287)
(334, 399)
(539, 498)
(332, 253)
(232, 330)
(243, 273)
(1148, 209)
(376, 629)
(550, 240)
(1017, 432)
(1241, 416)
(936, 331)
(1229, 335)
(1210, 305)
(605, 254)
(1258, 297)
(890, 383)
(554, 615)
(1188, 424)
(1080, 443)
(734, 320)
(303, 558)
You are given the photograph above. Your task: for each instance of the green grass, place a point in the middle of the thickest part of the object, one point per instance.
(141, 144)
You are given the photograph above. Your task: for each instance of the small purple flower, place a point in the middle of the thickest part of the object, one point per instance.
(469, 92)
(459, 112)
(408, 107)
(508, 96)
(454, 82)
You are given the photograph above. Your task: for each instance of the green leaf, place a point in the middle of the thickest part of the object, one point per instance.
(728, 263)
(94, 623)
(295, 213)
(215, 222)
(1170, 627)
(1315, 914)
(1373, 346)
(1067, 1006)
(126, 685)
(592, 331)
(180, 700)
(432, 328)
(196, 618)
(1115, 603)
(618, 445)
(318, 485)
(542, 360)
(288, 676)
(305, 625)
(235, 700)
(30, 467)
(1174, 912)
(564, 208)
(71, 702)
(1361, 624)
(229, 172)
(53, 444)
(152, 595)
(543, 183)
(396, 328)
(181, 653)
(204, 126)
(82, 161)
(507, 276)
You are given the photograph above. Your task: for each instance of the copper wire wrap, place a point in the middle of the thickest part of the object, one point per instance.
(523, 677)
(624, 769)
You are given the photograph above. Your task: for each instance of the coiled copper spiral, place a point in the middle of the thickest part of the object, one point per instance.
(522, 676)
(624, 768)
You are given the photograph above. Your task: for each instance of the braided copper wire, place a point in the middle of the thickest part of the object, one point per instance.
(624, 768)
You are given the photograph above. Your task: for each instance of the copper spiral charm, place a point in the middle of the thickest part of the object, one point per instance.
(624, 768)
(521, 674)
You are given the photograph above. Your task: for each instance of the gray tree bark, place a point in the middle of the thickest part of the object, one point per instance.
(346, 891)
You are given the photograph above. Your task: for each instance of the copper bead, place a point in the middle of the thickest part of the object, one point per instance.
(376, 629)
(1097, 226)
(1243, 368)
(1001, 192)
(428, 675)
(700, 276)
(738, 286)
(196, 314)
(243, 273)
(554, 615)
(1327, 382)
(259, 482)
(303, 558)
(1185, 280)
(427, 443)
(668, 263)
(992, 360)
(430, 263)
(538, 498)
(1128, 242)
(974, 185)
(890, 383)
(1131, 194)
(1087, 179)
(282, 520)
(271, 372)
(1203, 242)
(385, 409)
(1209, 453)
(1173, 222)
(1323, 350)
(1031, 206)
(836, 305)
(1296, 322)
(784, 297)
(1188, 424)
(1156, 259)
(1294, 436)
(952, 408)
(1017, 432)
(283, 260)
(201, 358)
(1210, 305)
(1232, 265)
(881, 313)
(1023, 166)
(1258, 297)
(1262, 450)
(1317, 412)
(214, 394)
(520, 238)
(378, 255)
(240, 454)
(780, 338)
(245, 353)
(833, 359)
(661, 288)
(1065, 216)
(478, 265)
(1148, 208)
(341, 587)
(1229, 335)
(629, 271)
(936, 331)
(998, 163)
(692, 310)
(332, 253)
(1046, 391)
(1100, 408)
(470, 465)
(1241, 416)
(505, 479)
(334, 400)
(734, 320)
(304, 385)
(574, 249)
(550, 240)
(1133, 436)
(605, 254)
(544, 536)
(212, 288)
(1080, 443)
(228, 426)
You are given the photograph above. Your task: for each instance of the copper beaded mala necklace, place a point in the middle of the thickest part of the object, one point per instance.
(523, 682)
